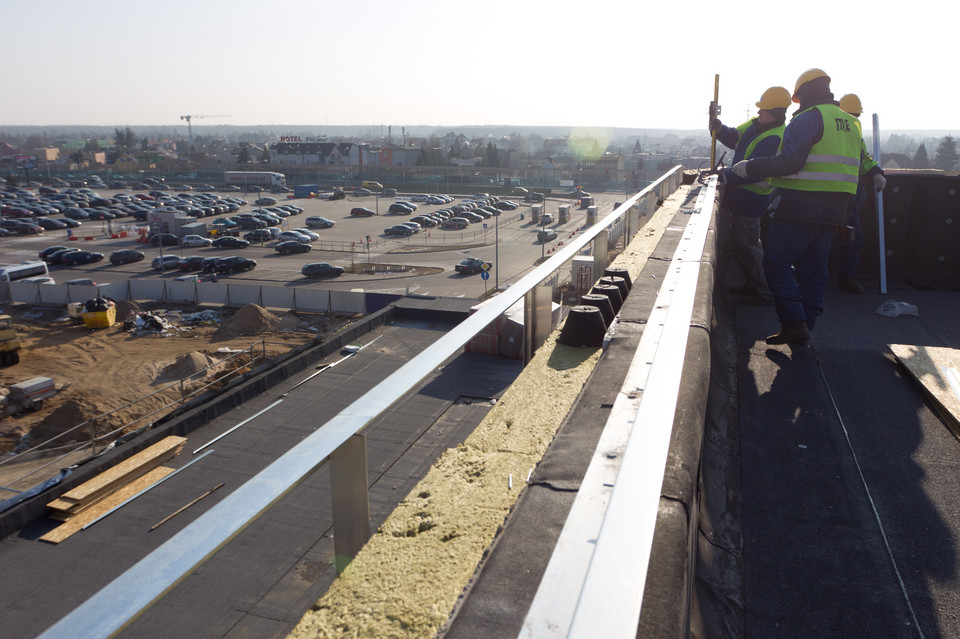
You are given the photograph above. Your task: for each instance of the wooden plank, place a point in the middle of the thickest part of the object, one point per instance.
(75, 524)
(926, 364)
(127, 470)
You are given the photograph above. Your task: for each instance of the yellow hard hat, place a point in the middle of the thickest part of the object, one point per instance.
(809, 74)
(774, 98)
(851, 104)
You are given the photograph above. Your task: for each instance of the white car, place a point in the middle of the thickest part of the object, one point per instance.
(293, 235)
(313, 236)
(191, 241)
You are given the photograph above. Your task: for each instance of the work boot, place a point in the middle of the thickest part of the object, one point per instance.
(850, 284)
(791, 333)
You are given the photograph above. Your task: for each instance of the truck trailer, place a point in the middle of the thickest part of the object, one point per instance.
(263, 179)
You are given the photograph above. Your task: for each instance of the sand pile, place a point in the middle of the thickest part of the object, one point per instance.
(71, 413)
(249, 320)
(193, 365)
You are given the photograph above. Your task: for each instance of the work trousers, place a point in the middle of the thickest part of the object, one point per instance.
(795, 262)
(740, 238)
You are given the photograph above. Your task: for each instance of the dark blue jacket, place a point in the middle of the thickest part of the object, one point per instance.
(817, 207)
(741, 201)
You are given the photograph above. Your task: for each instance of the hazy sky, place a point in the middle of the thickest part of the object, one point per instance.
(425, 62)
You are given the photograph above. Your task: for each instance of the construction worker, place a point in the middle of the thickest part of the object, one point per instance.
(851, 240)
(815, 173)
(745, 200)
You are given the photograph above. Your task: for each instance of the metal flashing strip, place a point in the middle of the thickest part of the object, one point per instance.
(606, 538)
(121, 601)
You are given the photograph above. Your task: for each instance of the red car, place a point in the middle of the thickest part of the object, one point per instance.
(362, 212)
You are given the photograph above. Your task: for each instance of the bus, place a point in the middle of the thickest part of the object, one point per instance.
(14, 272)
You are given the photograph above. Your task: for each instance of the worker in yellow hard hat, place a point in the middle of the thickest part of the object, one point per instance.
(815, 174)
(745, 200)
(851, 237)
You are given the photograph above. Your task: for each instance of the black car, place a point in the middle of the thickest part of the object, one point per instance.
(49, 224)
(292, 246)
(402, 209)
(258, 235)
(125, 256)
(209, 264)
(191, 263)
(321, 269)
(50, 250)
(472, 265)
(164, 239)
(81, 257)
(399, 229)
(234, 263)
(56, 257)
(228, 241)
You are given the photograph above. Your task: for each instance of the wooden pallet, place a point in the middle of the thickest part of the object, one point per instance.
(90, 493)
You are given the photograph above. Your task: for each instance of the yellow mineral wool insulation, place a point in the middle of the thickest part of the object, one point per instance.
(407, 578)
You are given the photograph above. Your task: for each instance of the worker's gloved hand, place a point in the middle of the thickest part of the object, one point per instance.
(879, 181)
(715, 125)
(740, 168)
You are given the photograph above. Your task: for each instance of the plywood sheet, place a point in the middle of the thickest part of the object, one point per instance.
(931, 365)
(75, 524)
(127, 470)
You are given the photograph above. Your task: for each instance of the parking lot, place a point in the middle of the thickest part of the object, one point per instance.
(509, 240)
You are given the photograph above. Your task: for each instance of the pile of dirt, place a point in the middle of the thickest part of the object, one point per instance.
(193, 365)
(70, 414)
(249, 320)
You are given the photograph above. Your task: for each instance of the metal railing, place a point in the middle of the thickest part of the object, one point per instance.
(126, 597)
(594, 582)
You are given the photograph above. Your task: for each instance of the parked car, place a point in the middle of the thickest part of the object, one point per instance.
(81, 257)
(319, 223)
(360, 211)
(399, 208)
(310, 234)
(233, 264)
(125, 256)
(456, 223)
(209, 264)
(258, 235)
(321, 269)
(292, 246)
(228, 241)
(165, 263)
(472, 265)
(190, 263)
(164, 239)
(287, 236)
(187, 278)
(265, 201)
(50, 250)
(49, 224)
(57, 256)
(191, 241)
(399, 229)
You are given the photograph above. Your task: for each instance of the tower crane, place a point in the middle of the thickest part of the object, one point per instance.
(188, 118)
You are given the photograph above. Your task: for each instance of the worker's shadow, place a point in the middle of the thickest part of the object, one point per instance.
(811, 452)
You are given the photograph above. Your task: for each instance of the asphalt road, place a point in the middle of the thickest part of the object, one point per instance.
(514, 254)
